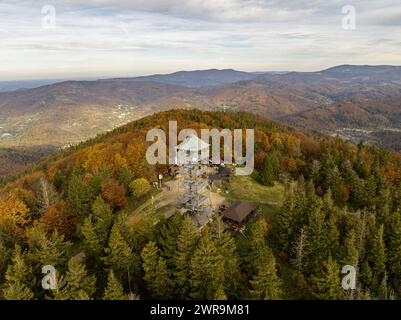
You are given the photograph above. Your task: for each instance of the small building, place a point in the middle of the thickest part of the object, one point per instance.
(238, 212)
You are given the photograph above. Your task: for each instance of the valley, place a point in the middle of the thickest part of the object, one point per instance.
(358, 103)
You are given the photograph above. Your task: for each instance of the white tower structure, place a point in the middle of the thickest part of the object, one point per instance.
(193, 157)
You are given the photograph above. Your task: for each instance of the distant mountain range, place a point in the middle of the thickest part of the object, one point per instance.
(71, 111)
(24, 84)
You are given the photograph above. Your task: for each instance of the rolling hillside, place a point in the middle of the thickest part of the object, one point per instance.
(378, 120)
(77, 210)
(72, 111)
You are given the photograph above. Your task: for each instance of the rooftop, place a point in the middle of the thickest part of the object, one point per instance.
(193, 143)
(238, 211)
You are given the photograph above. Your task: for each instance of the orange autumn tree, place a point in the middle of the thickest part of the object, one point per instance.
(113, 193)
(61, 219)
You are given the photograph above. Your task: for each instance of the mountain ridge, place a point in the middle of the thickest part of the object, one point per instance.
(72, 111)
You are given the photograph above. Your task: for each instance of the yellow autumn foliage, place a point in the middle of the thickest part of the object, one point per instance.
(14, 210)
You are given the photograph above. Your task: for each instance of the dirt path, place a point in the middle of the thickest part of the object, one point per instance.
(169, 195)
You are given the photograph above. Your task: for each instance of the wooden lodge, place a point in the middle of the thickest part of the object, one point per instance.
(238, 213)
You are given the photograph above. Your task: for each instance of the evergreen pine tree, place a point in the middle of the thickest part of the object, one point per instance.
(102, 219)
(207, 269)
(220, 294)
(333, 182)
(258, 252)
(285, 222)
(394, 246)
(91, 240)
(314, 171)
(328, 285)
(167, 239)
(99, 175)
(377, 257)
(186, 242)
(114, 289)
(119, 255)
(315, 253)
(226, 245)
(79, 195)
(76, 284)
(19, 278)
(47, 250)
(270, 169)
(350, 252)
(156, 274)
(125, 176)
(266, 285)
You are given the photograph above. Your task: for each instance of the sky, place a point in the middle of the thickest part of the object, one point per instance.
(73, 39)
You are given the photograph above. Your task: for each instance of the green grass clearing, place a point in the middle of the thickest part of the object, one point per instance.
(248, 189)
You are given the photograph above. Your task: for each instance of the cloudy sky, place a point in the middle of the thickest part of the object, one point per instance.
(103, 38)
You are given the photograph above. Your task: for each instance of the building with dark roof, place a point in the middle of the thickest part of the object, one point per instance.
(239, 211)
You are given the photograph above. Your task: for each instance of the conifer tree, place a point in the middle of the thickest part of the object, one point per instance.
(270, 169)
(58, 179)
(186, 242)
(102, 218)
(220, 294)
(315, 253)
(156, 274)
(91, 240)
(19, 278)
(207, 269)
(47, 249)
(79, 195)
(119, 255)
(125, 176)
(114, 289)
(327, 286)
(167, 239)
(266, 285)
(359, 195)
(99, 175)
(350, 252)
(76, 284)
(226, 245)
(375, 268)
(314, 171)
(332, 236)
(383, 206)
(258, 252)
(377, 256)
(394, 246)
(285, 222)
(333, 182)
(370, 190)
(5, 259)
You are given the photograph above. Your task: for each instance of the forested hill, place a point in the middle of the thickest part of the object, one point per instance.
(342, 206)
